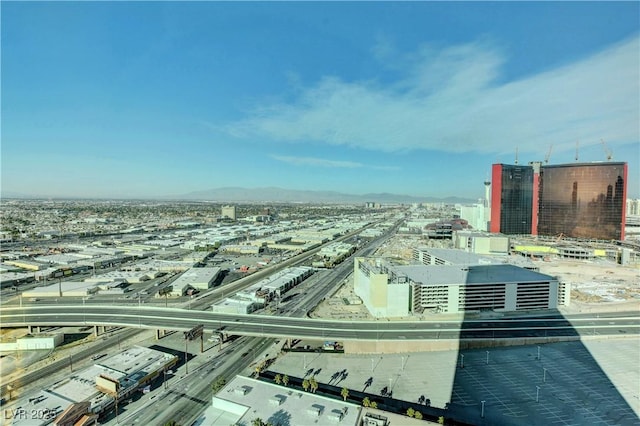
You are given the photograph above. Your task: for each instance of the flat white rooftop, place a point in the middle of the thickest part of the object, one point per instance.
(136, 363)
(244, 399)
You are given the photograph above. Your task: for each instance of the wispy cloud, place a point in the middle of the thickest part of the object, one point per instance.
(449, 100)
(321, 162)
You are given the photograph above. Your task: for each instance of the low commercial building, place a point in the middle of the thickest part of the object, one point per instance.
(245, 399)
(283, 281)
(241, 249)
(63, 289)
(481, 243)
(33, 342)
(237, 305)
(93, 390)
(333, 254)
(26, 264)
(261, 293)
(127, 371)
(129, 277)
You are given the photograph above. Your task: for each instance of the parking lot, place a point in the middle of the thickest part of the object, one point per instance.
(573, 383)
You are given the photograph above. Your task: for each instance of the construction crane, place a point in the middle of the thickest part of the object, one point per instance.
(516, 155)
(577, 147)
(546, 157)
(607, 150)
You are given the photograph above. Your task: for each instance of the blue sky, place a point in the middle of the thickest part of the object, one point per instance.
(142, 99)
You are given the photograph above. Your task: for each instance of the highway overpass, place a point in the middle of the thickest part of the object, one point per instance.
(305, 328)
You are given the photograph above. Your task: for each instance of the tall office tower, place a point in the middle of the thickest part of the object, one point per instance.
(583, 200)
(229, 211)
(512, 199)
(580, 200)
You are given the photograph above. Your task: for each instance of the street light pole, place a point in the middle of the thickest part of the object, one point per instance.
(544, 375)
(537, 393)
(538, 353)
(461, 361)
(186, 357)
(487, 357)
(482, 412)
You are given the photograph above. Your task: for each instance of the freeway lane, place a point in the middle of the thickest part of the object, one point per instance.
(258, 325)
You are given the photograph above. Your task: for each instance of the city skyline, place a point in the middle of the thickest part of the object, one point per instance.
(144, 100)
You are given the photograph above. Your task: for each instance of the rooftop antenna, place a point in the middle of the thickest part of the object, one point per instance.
(577, 147)
(516, 155)
(546, 157)
(607, 150)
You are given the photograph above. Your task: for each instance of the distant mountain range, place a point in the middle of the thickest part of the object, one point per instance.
(235, 194)
(273, 194)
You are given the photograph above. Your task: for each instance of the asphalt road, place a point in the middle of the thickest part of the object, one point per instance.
(186, 398)
(273, 326)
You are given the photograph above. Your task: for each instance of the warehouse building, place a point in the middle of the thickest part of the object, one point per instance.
(198, 278)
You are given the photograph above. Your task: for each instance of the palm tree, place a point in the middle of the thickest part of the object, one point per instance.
(285, 380)
(257, 422)
(417, 415)
(345, 393)
(410, 412)
(305, 384)
(314, 384)
(259, 368)
(374, 404)
(278, 379)
(366, 402)
(165, 292)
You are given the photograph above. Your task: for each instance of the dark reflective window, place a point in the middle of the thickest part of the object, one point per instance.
(582, 200)
(517, 197)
